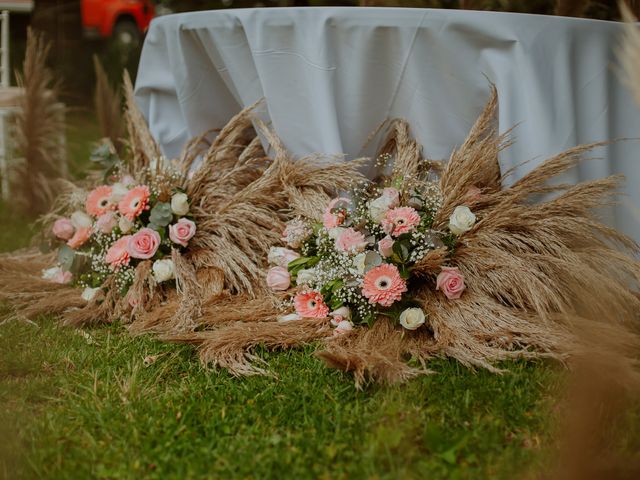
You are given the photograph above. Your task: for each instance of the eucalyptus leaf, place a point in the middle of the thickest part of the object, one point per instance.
(66, 255)
(161, 214)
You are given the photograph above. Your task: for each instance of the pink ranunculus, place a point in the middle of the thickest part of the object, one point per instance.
(393, 196)
(80, 237)
(310, 304)
(400, 220)
(118, 254)
(62, 277)
(385, 246)
(351, 241)
(383, 285)
(144, 244)
(336, 212)
(63, 229)
(182, 231)
(451, 282)
(278, 278)
(473, 195)
(107, 222)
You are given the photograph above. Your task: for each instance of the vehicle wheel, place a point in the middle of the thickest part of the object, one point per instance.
(126, 33)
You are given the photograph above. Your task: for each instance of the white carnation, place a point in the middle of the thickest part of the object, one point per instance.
(163, 270)
(412, 318)
(80, 219)
(180, 204)
(461, 220)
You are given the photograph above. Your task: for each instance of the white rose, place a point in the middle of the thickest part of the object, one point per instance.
(163, 270)
(81, 220)
(290, 317)
(89, 293)
(379, 207)
(412, 318)
(49, 273)
(180, 203)
(281, 256)
(305, 276)
(125, 225)
(461, 220)
(360, 262)
(118, 191)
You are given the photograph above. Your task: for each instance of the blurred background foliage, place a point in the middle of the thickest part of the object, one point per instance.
(71, 53)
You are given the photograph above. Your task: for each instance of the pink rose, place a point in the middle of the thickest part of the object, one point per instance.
(182, 231)
(118, 253)
(80, 237)
(336, 212)
(278, 278)
(451, 282)
(106, 222)
(63, 229)
(144, 244)
(62, 277)
(385, 246)
(351, 241)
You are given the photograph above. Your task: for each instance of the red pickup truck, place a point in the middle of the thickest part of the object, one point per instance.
(125, 21)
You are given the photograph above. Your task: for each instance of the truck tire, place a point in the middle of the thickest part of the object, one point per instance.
(126, 33)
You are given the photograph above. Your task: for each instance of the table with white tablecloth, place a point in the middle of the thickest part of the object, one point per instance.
(330, 76)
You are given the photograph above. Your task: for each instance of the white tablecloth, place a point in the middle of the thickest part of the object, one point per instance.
(331, 75)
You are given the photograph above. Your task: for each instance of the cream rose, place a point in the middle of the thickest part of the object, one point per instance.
(389, 199)
(461, 220)
(281, 257)
(412, 318)
(180, 203)
(163, 270)
(80, 219)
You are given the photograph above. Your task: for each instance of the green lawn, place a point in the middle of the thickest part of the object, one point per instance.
(85, 404)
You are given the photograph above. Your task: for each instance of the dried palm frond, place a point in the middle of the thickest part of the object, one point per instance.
(629, 53)
(108, 107)
(39, 131)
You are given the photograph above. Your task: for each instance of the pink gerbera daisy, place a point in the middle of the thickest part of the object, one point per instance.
(118, 254)
(134, 202)
(400, 220)
(98, 202)
(311, 304)
(383, 285)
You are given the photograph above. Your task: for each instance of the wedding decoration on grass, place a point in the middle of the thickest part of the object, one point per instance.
(429, 259)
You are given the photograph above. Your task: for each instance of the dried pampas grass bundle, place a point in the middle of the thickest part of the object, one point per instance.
(108, 106)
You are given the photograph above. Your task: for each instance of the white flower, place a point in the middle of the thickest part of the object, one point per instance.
(290, 317)
(180, 204)
(118, 191)
(339, 315)
(49, 273)
(365, 261)
(359, 262)
(89, 293)
(379, 207)
(163, 270)
(461, 220)
(334, 233)
(305, 276)
(412, 318)
(125, 225)
(281, 256)
(80, 219)
(343, 327)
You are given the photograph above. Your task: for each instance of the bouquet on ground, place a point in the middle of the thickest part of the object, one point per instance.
(359, 262)
(123, 222)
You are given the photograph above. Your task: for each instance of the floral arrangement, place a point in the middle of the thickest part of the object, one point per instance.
(357, 263)
(123, 223)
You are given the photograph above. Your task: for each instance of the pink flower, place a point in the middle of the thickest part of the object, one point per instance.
(400, 220)
(278, 278)
(62, 277)
(295, 232)
(351, 241)
(134, 202)
(118, 254)
(310, 304)
(383, 285)
(451, 282)
(80, 237)
(340, 314)
(336, 212)
(63, 229)
(343, 327)
(385, 246)
(182, 231)
(473, 194)
(106, 222)
(98, 201)
(143, 244)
